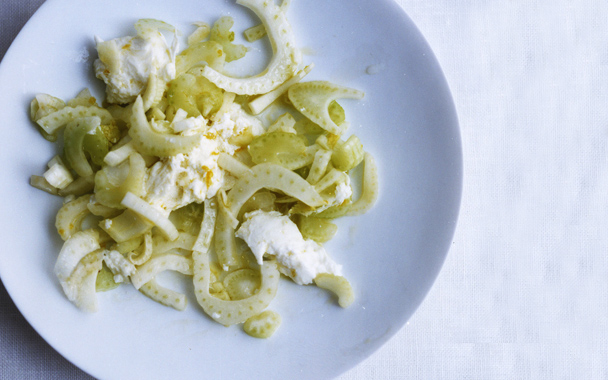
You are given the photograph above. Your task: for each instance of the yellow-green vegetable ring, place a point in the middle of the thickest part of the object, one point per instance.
(284, 62)
(232, 312)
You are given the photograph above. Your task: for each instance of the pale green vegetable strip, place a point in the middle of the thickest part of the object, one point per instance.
(312, 99)
(144, 209)
(331, 178)
(157, 264)
(74, 249)
(126, 226)
(254, 33)
(348, 154)
(339, 286)
(117, 156)
(231, 312)
(53, 121)
(210, 52)
(184, 241)
(201, 32)
(70, 216)
(41, 183)
(263, 325)
(225, 244)
(139, 258)
(164, 296)
(262, 102)
(98, 209)
(319, 166)
(203, 240)
(146, 141)
(272, 176)
(129, 246)
(80, 186)
(80, 286)
(232, 165)
(283, 64)
(73, 137)
(227, 101)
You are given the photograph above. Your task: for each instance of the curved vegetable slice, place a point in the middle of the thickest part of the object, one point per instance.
(262, 102)
(113, 183)
(225, 244)
(164, 296)
(74, 249)
(146, 141)
(312, 99)
(55, 120)
(146, 210)
(203, 240)
(143, 253)
(338, 285)
(73, 137)
(210, 52)
(319, 166)
(157, 264)
(263, 325)
(368, 196)
(232, 312)
(348, 154)
(220, 32)
(284, 62)
(70, 216)
(80, 286)
(272, 176)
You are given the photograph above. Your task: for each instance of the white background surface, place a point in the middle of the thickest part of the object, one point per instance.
(523, 293)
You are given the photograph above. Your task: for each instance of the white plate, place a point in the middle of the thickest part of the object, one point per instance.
(392, 255)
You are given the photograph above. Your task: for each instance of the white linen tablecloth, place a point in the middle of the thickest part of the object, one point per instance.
(524, 291)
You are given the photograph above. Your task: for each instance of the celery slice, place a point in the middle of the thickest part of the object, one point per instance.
(339, 286)
(263, 325)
